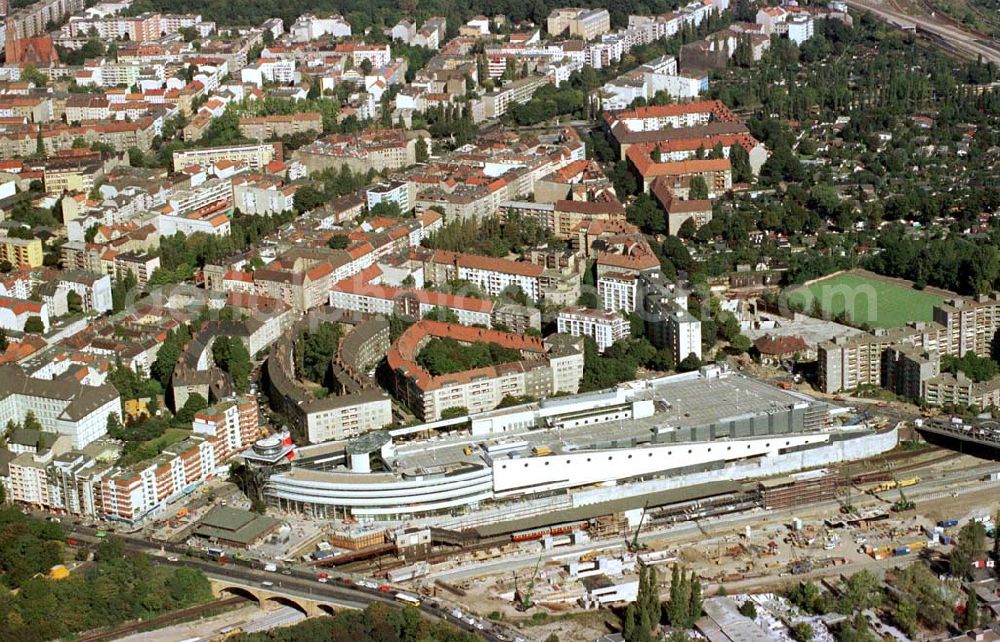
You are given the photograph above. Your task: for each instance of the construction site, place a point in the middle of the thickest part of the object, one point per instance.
(753, 537)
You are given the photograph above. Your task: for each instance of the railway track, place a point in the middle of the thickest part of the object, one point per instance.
(159, 622)
(934, 12)
(942, 32)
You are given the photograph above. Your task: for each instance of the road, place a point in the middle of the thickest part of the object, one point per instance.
(961, 42)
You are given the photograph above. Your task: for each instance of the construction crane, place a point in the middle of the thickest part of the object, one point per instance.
(522, 599)
(634, 545)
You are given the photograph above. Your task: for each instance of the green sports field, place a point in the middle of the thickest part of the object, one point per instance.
(880, 304)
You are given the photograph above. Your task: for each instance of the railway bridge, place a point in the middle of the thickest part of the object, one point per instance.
(266, 595)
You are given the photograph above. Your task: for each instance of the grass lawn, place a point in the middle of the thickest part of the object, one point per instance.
(169, 437)
(878, 303)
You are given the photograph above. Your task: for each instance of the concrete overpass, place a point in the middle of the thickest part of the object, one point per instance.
(309, 604)
(959, 41)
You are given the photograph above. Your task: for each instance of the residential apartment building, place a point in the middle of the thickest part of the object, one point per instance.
(234, 422)
(21, 252)
(367, 298)
(212, 219)
(383, 150)
(602, 326)
(491, 275)
(310, 27)
(905, 369)
(546, 368)
(141, 266)
(586, 24)
(34, 19)
(62, 406)
(15, 313)
(397, 192)
(958, 390)
(848, 362)
(268, 127)
(68, 481)
(356, 407)
(262, 196)
(496, 103)
(617, 291)
(969, 323)
(255, 157)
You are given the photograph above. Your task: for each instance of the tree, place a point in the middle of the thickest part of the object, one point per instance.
(4, 342)
(446, 315)
(187, 586)
(422, 150)
(739, 158)
(231, 355)
(194, 404)
(386, 208)
(31, 422)
(74, 302)
(971, 619)
(168, 354)
(856, 629)
(996, 522)
(31, 74)
(936, 608)
(694, 611)
(802, 632)
(741, 343)
(904, 616)
(366, 67)
(454, 411)
(749, 609)
(643, 616)
(34, 325)
(698, 189)
(689, 363)
(977, 368)
(970, 546)
(808, 597)
(678, 607)
(861, 591)
(338, 242)
(313, 351)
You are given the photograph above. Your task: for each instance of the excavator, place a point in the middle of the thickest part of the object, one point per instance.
(902, 504)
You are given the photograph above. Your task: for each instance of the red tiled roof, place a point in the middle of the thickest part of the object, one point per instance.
(402, 355)
(488, 263)
(772, 345)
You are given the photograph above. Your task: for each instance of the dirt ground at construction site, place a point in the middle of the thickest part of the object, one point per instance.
(757, 551)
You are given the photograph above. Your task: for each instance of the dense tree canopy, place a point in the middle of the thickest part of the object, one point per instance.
(377, 623)
(118, 586)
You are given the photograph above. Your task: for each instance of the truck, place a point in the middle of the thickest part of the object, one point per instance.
(541, 451)
(271, 567)
(948, 523)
